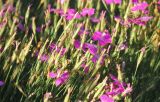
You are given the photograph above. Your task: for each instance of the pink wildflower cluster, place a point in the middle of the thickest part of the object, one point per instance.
(52, 47)
(103, 39)
(139, 7)
(113, 2)
(115, 88)
(72, 13)
(59, 76)
(141, 21)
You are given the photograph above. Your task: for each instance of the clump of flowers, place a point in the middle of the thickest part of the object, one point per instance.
(113, 2)
(114, 89)
(139, 7)
(103, 38)
(59, 76)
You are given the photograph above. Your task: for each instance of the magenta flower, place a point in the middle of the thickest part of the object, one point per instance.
(135, 1)
(158, 2)
(140, 6)
(60, 78)
(44, 58)
(91, 47)
(127, 90)
(96, 57)
(59, 12)
(122, 22)
(60, 50)
(77, 44)
(52, 46)
(86, 46)
(117, 88)
(105, 98)
(71, 13)
(87, 12)
(113, 1)
(141, 20)
(95, 20)
(86, 68)
(109, 2)
(117, 1)
(82, 31)
(52, 75)
(102, 38)
(145, 18)
(1, 83)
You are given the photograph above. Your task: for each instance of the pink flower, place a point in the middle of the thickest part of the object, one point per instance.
(87, 11)
(95, 20)
(86, 46)
(60, 50)
(158, 2)
(77, 44)
(44, 58)
(127, 90)
(102, 38)
(141, 20)
(134, 1)
(59, 11)
(109, 1)
(96, 57)
(86, 68)
(117, 1)
(140, 6)
(145, 18)
(52, 46)
(60, 78)
(113, 1)
(105, 98)
(71, 13)
(91, 47)
(52, 75)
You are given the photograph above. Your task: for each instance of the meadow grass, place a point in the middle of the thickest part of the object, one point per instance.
(37, 47)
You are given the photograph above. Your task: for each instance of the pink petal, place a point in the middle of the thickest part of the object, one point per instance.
(87, 11)
(141, 6)
(92, 48)
(145, 18)
(109, 1)
(97, 35)
(105, 98)
(117, 1)
(58, 81)
(77, 44)
(52, 75)
(44, 57)
(65, 75)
